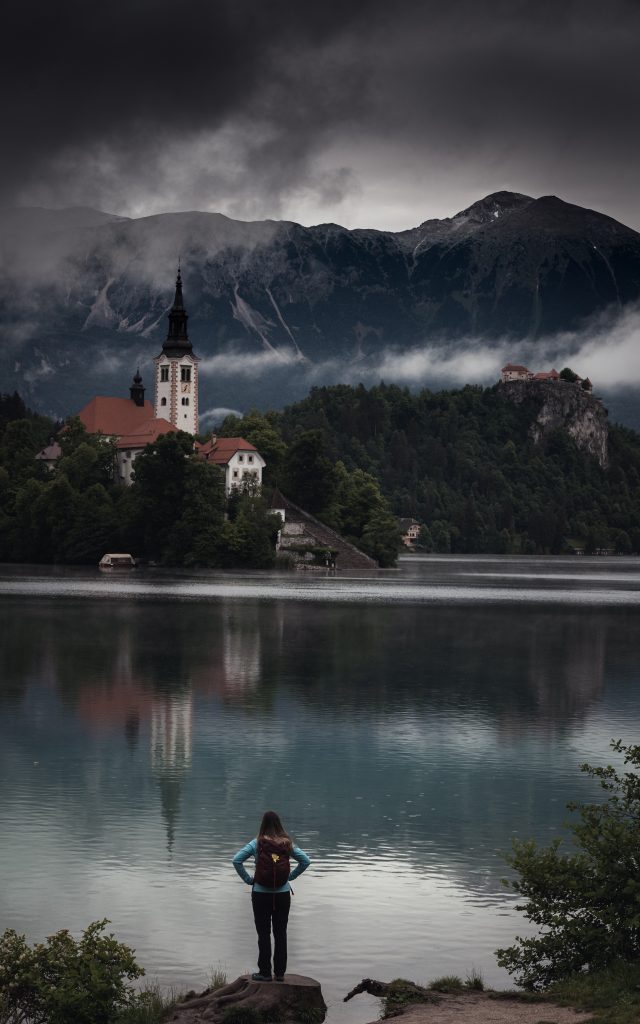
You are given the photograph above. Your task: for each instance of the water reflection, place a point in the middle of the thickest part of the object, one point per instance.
(140, 739)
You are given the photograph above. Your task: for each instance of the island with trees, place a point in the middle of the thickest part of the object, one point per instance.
(480, 472)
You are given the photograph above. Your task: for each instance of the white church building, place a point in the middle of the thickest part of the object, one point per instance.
(134, 422)
(176, 371)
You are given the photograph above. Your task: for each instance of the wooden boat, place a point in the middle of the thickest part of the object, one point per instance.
(117, 560)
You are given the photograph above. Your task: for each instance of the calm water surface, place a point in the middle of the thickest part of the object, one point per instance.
(406, 724)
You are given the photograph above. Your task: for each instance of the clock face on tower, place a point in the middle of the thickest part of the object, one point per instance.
(185, 389)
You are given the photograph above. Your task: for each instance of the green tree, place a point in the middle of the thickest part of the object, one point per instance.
(381, 538)
(587, 903)
(86, 458)
(567, 374)
(250, 536)
(311, 475)
(158, 491)
(21, 441)
(176, 506)
(84, 981)
(197, 535)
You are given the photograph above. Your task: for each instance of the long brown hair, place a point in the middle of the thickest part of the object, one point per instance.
(272, 827)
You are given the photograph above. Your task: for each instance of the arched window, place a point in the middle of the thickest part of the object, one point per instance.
(163, 401)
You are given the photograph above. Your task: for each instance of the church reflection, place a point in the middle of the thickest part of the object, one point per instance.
(170, 743)
(165, 683)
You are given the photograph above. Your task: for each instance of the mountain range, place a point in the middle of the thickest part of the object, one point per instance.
(276, 307)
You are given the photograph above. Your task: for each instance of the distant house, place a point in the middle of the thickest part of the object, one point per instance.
(514, 372)
(410, 530)
(552, 375)
(129, 447)
(130, 422)
(241, 461)
(50, 454)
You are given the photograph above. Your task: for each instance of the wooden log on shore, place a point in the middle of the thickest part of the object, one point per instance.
(296, 998)
(398, 994)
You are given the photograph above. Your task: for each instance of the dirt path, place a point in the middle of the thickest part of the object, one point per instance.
(481, 1008)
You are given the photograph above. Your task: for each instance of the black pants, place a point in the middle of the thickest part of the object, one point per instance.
(271, 909)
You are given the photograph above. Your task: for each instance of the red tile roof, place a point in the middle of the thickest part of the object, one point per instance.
(148, 433)
(514, 366)
(114, 416)
(223, 449)
(547, 375)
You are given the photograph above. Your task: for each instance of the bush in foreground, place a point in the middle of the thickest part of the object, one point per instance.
(587, 903)
(61, 980)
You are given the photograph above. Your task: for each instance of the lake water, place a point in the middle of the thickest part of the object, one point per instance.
(406, 724)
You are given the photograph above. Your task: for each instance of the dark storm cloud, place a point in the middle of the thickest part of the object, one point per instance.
(144, 105)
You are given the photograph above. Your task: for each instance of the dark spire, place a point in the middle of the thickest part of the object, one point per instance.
(177, 342)
(136, 391)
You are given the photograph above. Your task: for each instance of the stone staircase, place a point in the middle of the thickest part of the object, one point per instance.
(301, 532)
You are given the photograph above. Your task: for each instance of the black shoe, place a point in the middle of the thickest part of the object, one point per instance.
(279, 977)
(261, 977)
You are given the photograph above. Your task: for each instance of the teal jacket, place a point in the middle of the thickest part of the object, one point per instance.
(251, 850)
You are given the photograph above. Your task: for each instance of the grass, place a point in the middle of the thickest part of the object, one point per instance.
(217, 978)
(402, 993)
(474, 980)
(613, 994)
(151, 1006)
(446, 984)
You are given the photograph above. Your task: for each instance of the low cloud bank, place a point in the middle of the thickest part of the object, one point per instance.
(248, 364)
(607, 350)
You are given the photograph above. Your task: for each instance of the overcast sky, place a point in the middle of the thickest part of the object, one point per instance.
(362, 112)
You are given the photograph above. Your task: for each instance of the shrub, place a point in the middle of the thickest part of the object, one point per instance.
(474, 981)
(63, 980)
(587, 902)
(448, 983)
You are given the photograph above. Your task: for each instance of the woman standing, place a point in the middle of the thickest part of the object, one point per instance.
(271, 895)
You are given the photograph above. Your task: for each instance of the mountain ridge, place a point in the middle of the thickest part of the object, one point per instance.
(275, 305)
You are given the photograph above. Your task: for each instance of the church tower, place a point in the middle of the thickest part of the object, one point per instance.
(136, 391)
(176, 392)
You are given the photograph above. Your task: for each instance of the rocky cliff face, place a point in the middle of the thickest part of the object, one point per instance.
(564, 406)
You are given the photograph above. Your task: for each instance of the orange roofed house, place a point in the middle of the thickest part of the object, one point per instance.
(241, 462)
(512, 371)
(129, 421)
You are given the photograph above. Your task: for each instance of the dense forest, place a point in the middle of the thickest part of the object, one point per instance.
(175, 513)
(462, 463)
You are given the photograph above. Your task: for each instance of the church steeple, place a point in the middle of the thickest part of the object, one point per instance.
(177, 343)
(136, 391)
(176, 382)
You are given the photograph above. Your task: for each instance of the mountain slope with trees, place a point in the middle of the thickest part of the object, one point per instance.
(461, 462)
